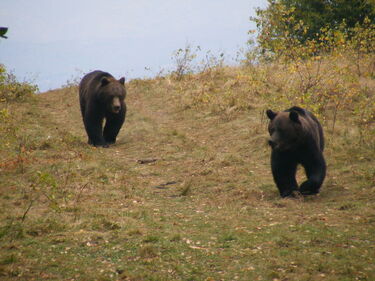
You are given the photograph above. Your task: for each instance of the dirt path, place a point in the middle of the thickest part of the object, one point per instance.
(188, 146)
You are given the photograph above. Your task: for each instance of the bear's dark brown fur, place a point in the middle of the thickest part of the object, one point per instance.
(296, 138)
(102, 97)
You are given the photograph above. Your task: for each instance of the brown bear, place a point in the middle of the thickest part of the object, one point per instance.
(296, 138)
(102, 97)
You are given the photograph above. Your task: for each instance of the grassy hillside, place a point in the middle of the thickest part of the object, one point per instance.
(186, 193)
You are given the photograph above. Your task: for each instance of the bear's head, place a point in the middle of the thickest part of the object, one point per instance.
(112, 93)
(285, 129)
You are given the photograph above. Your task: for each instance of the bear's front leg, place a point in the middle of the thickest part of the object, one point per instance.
(93, 125)
(112, 126)
(284, 173)
(315, 169)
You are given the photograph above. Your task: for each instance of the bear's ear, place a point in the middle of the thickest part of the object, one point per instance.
(122, 80)
(294, 116)
(104, 81)
(271, 115)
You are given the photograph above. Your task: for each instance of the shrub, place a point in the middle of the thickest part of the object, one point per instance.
(13, 90)
(183, 59)
(327, 74)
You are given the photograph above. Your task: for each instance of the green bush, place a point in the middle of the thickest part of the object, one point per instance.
(13, 90)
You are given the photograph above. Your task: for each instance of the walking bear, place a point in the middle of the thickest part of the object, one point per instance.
(296, 138)
(102, 97)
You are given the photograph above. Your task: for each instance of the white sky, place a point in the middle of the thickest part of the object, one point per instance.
(51, 41)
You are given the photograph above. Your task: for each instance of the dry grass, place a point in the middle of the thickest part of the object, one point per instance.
(206, 209)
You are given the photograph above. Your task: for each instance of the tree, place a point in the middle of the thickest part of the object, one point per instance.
(3, 31)
(303, 20)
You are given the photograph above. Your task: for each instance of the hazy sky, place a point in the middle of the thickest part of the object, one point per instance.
(52, 41)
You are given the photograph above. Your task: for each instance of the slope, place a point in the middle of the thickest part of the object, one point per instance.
(185, 194)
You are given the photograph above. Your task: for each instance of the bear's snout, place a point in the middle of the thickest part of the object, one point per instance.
(271, 143)
(116, 108)
(116, 105)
